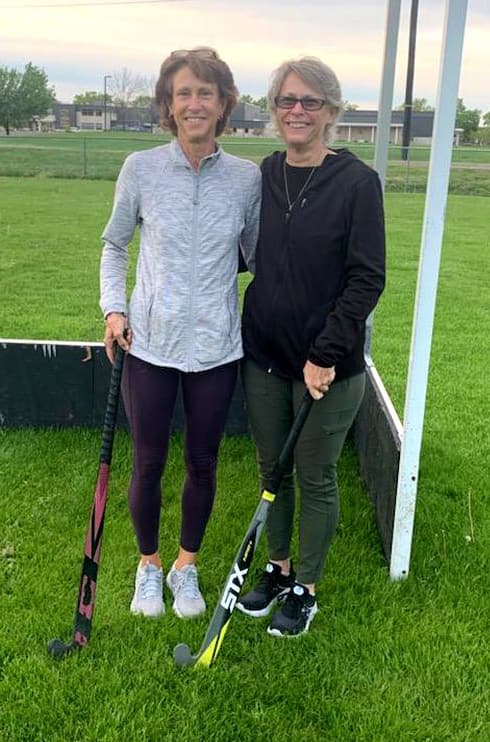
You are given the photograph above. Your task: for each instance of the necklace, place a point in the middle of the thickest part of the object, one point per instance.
(291, 204)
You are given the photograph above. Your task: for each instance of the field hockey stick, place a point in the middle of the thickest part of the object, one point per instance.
(93, 541)
(243, 560)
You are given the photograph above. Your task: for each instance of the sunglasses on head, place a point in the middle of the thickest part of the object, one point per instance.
(308, 103)
(203, 52)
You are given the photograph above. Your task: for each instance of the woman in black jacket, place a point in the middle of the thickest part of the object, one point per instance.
(319, 274)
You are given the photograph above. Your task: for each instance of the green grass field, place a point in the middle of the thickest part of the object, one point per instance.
(51, 248)
(98, 155)
(384, 662)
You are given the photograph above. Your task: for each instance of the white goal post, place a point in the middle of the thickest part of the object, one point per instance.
(428, 273)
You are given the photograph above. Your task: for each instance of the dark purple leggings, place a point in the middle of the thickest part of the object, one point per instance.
(149, 394)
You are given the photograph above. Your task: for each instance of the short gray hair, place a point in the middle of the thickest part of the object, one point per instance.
(318, 76)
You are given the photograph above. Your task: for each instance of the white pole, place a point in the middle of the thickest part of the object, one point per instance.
(433, 228)
(386, 94)
(384, 115)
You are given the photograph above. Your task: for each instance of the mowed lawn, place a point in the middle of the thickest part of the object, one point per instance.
(98, 155)
(384, 661)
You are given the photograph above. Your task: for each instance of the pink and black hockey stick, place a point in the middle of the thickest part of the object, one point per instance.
(93, 541)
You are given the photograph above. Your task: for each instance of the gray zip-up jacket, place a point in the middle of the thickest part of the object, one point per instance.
(184, 308)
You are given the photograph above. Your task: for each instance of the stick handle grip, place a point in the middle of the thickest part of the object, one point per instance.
(291, 440)
(111, 408)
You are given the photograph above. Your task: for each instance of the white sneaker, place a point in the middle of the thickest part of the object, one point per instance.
(184, 585)
(148, 591)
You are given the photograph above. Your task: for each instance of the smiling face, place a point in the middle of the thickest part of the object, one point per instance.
(300, 129)
(196, 108)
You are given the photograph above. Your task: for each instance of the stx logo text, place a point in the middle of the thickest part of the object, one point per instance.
(233, 587)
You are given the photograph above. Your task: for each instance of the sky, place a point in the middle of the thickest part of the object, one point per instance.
(80, 43)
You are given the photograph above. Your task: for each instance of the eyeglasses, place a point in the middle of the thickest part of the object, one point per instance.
(203, 52)
(308, 103)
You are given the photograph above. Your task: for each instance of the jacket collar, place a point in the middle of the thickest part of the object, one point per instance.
(178, 157)
(272, 172)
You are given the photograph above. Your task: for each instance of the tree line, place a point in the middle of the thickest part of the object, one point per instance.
(25, 94)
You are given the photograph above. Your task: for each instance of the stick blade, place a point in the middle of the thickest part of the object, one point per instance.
(183, 656)
(59, 649)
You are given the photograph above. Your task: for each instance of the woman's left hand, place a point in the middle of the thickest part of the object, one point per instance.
(318, 379)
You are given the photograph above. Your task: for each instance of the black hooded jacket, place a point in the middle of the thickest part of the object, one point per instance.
(319, 273)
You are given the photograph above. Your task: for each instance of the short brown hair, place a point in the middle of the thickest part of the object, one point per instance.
(205, 63)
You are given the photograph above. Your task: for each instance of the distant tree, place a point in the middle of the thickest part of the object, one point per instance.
(125, 86)
(418, 104)
(261, 102)
(486, 119)
(146, 99)
(90, 97)
(483, 135)
(36, 94)
(468, 120)
(349, 106)
(142, 101)
(10, 81)
(23, 95)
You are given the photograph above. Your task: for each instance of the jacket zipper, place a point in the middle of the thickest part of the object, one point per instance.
(286, 244)
(195, 214)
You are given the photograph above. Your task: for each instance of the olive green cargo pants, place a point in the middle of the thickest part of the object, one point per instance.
(272, 402)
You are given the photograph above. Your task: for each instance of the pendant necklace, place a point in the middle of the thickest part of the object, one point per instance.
(291, 204)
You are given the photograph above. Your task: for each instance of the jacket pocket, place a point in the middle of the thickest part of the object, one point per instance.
(214, 326)
(168, 326)
(140, 308)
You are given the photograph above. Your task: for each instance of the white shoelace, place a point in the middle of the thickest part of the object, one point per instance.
(150, 585)
(188, 583)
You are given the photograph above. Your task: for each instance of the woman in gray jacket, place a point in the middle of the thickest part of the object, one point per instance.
(193, 205)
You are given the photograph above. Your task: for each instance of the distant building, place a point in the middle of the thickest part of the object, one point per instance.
(361, 126)
(43, 123)
(246, 118)
(90, 117)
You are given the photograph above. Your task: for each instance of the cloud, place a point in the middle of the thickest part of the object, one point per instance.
(77, 46)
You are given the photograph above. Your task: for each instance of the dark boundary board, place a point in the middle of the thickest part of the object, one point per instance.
(377, 436)
(64, 384)
(56, 384)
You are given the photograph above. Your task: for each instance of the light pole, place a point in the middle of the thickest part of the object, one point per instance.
(408, 106)
(106, 77)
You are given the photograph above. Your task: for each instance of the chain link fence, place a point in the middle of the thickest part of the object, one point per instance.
(100, 156)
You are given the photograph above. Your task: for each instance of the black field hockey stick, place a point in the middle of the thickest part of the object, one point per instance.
(243, 560)
(93, 541)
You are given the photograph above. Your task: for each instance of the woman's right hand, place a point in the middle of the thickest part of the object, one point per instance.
(318, 379)
(115, 326)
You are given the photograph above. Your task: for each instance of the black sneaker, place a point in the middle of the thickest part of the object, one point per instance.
(271, 587)
(296, 613)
